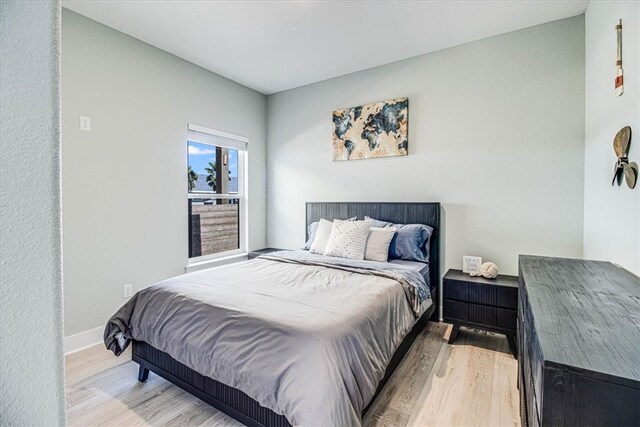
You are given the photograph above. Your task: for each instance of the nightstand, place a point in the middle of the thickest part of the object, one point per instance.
(489, 304)
(258, 252)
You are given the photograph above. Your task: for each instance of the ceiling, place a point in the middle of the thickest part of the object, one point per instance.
(272, 46)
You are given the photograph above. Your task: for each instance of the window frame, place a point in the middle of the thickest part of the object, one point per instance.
(236, 142)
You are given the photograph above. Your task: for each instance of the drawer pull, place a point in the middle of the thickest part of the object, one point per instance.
(559, 382)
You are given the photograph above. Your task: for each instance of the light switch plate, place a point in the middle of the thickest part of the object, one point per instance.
(85, 123)
(127, 290)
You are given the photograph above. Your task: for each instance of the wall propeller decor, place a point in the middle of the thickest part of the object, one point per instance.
(621, 144)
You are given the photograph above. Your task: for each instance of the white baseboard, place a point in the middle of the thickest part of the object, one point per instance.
(82, 340)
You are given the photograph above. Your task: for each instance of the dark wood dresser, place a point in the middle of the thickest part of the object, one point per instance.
(578, 343)
(489, 304)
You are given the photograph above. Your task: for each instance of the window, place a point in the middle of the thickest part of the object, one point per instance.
(216, 193)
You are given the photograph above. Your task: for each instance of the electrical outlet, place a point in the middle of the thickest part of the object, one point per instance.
(85, 123)
(127, 290)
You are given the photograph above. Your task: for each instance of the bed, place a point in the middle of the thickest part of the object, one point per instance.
(297, 319)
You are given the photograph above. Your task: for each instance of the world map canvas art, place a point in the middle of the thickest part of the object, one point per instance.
(371, 130)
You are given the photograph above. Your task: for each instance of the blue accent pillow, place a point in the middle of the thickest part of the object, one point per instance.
(411, 242)
(311, 231)
(377, 223)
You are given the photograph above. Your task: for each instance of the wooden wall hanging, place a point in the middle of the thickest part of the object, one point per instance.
(619, 81)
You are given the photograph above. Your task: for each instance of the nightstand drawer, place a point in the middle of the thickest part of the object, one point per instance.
(481, 315)
(456, 290)
(454, 310)
(507, 319)
(480, 293)
(507, 298)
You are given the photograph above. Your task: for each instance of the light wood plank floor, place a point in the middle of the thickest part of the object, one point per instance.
(469, 383)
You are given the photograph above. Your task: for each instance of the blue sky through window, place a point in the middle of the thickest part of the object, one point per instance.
(201, 154)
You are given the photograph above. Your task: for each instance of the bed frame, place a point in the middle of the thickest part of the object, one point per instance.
(243, 408)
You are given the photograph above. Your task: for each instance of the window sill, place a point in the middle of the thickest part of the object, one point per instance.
(216, 262)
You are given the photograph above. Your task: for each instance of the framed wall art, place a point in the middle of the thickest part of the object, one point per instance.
(371, 131)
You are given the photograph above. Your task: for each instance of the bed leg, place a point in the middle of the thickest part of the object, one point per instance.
(143, 374)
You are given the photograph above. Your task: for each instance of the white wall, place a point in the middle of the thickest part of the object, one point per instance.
(496, 133)
(611, 214)
(124, 183)
(31, 372)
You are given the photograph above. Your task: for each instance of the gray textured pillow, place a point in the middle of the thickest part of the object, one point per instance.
(378, 243)
(348, 239)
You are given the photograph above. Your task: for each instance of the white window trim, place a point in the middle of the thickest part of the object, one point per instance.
(218, 138)
(205, 130)
(201, 265)
(243, 160)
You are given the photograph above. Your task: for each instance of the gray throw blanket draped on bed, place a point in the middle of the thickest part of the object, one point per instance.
(307, 336)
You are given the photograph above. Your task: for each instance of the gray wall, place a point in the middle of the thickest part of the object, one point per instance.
(496, 133)
(124, 183)
(31, 374)
(611, 214)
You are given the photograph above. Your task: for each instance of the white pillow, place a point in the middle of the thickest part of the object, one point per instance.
(348, 239)
(323, 232)
(378, 243)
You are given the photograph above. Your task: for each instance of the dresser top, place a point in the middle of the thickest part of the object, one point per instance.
(501, 280)
(586, 315)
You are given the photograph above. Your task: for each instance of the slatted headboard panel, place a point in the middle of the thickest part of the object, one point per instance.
(397, 212)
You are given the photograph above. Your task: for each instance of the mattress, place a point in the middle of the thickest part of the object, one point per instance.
(420, 267)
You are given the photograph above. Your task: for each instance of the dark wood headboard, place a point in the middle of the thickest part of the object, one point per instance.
(397, 212)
